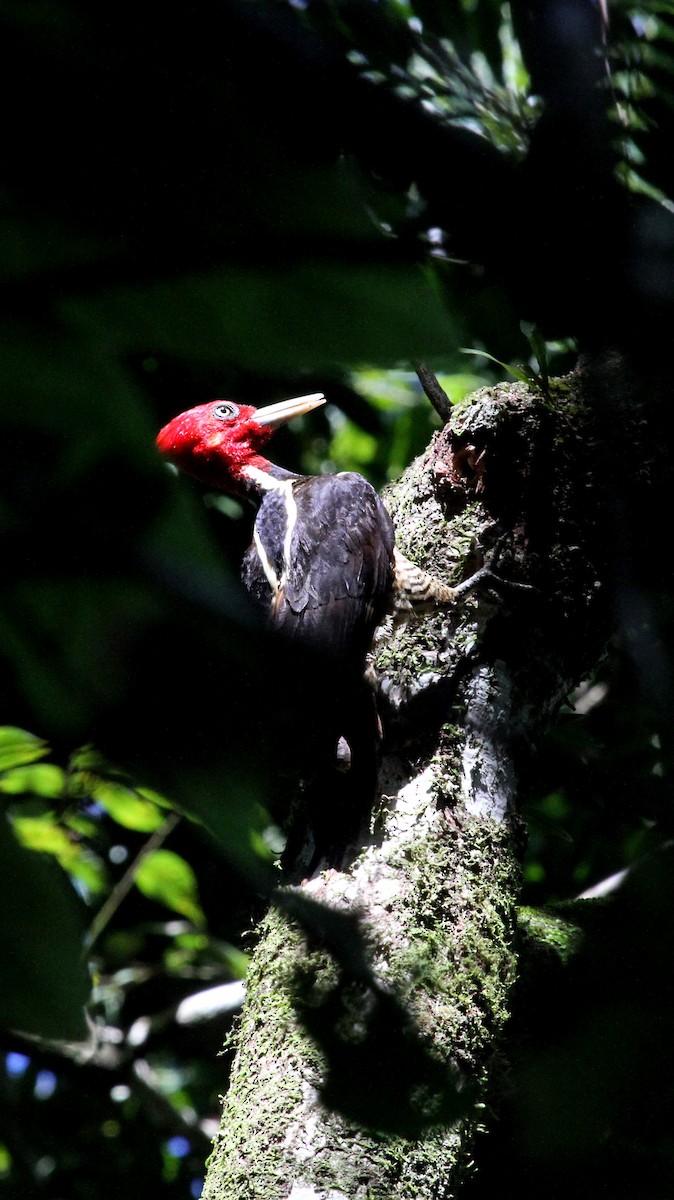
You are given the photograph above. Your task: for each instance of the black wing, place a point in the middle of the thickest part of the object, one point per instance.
(327, 583)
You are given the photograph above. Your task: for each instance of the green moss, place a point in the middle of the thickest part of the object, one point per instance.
(256, 1107)
(455, 972)
(543, 929)
(447, 764)
(447, 975)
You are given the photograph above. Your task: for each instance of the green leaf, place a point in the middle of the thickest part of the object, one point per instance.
(523, 374)
(37, 779)
(17, 746)
(237, 961)
(45, 982)
(352, 447)
(165, 877)
(537, 342)
(5, 1161)
(43, 834)
(46, 835)
(89, 870)
(130, 808)
(155, 797)
(460, 384)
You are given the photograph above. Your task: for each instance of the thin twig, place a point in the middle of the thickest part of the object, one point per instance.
(123, 887)
(436, 394)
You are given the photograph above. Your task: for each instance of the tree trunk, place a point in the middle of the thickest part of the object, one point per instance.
(368, 1041)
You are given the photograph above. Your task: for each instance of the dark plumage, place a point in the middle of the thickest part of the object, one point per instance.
(334, 575)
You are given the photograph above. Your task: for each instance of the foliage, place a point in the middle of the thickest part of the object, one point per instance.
(111, 942)
(275, 198)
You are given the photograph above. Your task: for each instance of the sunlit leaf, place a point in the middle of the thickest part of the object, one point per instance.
(260, 846)
(84, 826)
(128, 807)
(89, 871)
(46, 835)
(37, 779)
(154, 797)
(388, 390)
(5, 1161)
(167, 878)
(237, 962)
(17, 746)
(522, 373)
(460, 384)
(352, 448)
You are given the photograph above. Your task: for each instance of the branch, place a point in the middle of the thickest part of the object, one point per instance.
(435, 393)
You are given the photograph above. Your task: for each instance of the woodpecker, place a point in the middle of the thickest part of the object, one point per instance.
(322, 564)
(323, 568)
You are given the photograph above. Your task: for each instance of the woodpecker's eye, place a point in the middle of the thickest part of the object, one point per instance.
(225, 411)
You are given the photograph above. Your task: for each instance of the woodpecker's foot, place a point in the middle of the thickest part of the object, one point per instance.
(488, 577)
(416, 591)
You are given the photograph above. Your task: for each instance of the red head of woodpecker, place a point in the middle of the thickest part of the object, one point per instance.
(220, 443)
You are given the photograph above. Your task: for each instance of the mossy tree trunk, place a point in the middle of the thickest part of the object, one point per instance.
(365, 1052)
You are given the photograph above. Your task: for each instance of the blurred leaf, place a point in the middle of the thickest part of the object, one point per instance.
(45, 981)
(165, 877)
(80, 623)
(46, 835)
(43, 834)
(127, 806)
(18, 746)
(537, 342)
(260, 846)
(237, 961)
(39, 779)
(396, 390)
(387, 390)
(352, 448)
(153, 797)
(89, 871)
(461, 383)
(84, 826)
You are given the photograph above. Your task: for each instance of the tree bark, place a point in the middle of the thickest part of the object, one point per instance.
(372, 1026)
